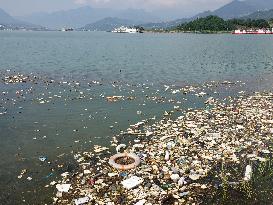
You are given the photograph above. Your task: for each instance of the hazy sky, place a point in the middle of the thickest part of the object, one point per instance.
(185, 7)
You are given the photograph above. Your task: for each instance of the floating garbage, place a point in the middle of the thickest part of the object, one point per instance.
(141, 202)
(98, 148)
(128, 156)
(182, 181)
(201, 94)
(112, 174)
(42, 158)
(19, 78)
(119, 147)
(175, 177)
(29, 178)
(148, 133)
(178, 155)
(24, 171)
(184, 194)
(53, 183)
(113, 98)
(265, 151)
(87, 171)
(132, 182)
(82, 200)
(63, 187)
(167, 155)
(194, 177)
(139, 112)
(123, 174)
(248, 173)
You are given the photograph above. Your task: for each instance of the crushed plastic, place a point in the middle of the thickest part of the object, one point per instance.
(82, 200)
(132, 182)
(63, 187)
(42, 158)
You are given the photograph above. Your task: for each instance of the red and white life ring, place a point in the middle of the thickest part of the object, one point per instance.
(112, 161)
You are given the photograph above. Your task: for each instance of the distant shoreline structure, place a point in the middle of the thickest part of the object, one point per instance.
(125, 29)
(254, 32)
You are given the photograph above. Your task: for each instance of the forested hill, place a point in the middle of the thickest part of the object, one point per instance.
(217, 24)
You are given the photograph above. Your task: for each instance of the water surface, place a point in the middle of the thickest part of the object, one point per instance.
(76, 115)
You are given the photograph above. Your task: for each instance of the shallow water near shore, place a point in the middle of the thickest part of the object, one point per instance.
(66, 109)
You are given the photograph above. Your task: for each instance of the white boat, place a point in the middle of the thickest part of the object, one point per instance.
(124, 29)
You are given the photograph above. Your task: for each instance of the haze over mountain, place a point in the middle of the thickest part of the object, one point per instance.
(86, 15)
(234, 9)
(5, 18)
(108, 24)
(237, 8)
(10, 22)
(98, 18)
(267, 15)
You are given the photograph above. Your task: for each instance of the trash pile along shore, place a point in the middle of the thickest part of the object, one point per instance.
(176, 155)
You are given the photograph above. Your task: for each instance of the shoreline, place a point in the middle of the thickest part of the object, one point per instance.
(190, 32)
(181, 160)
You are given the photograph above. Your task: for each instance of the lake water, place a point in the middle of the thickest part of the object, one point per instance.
(71, 114)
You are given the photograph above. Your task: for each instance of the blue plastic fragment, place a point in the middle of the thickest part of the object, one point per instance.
(123, 174)
(49, 175)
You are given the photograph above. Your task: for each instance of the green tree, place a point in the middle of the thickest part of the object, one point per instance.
(216, 24)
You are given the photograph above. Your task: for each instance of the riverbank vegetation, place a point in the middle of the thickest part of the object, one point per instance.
(215, 24)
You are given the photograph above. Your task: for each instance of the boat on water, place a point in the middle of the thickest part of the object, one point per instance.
(124, 29)
(67, 29)
(259, 31)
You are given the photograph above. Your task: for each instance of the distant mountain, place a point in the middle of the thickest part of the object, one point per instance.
(103, 18)
(71, 18)
(164, 25)
(267, 15)
(8, 22)
(234, 9)
(237, 9)
(108, 24)
(5, 18)
(174, 23)
(79, 17)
